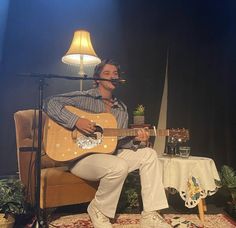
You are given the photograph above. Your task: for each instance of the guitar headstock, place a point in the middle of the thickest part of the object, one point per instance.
(181, 135)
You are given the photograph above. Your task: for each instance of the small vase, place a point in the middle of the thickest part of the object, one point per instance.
(138, 119)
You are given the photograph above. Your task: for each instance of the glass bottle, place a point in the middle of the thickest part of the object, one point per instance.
(171, 147)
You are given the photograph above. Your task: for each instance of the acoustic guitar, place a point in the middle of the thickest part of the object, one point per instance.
(62, 144)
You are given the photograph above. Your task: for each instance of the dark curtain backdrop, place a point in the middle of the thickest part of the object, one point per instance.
(200, 37)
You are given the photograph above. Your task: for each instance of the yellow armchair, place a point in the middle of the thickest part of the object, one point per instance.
(58, 186)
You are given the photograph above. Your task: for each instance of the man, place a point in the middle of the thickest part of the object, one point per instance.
(112, 170)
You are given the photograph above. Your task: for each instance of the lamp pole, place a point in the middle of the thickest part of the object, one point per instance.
(81, 71)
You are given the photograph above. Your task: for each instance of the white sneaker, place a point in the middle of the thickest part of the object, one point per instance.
(153, 220)
(99, 220)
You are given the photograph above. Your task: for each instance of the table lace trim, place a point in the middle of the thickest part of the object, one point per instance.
(194, 192)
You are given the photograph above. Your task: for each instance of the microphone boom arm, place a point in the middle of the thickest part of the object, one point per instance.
(84, 78)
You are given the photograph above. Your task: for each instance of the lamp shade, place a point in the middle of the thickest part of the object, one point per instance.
(81, 49)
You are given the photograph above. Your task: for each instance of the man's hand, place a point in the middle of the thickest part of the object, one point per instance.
(143, 135)
(85, 125)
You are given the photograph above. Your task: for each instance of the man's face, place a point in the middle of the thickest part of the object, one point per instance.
(108, 72)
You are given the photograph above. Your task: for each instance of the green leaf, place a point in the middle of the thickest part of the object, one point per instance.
(12, 196)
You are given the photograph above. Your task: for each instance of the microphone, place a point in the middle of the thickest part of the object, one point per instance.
(118, 81)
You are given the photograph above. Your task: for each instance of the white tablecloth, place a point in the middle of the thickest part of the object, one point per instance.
(194, 177)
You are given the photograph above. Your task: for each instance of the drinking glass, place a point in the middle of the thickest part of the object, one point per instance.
(184, 151)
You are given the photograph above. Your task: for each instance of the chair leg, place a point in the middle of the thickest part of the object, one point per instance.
(204, 205)
(42, 220)
(45, 219)
(201, 209)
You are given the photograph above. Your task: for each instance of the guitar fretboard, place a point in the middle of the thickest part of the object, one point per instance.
(133, 132)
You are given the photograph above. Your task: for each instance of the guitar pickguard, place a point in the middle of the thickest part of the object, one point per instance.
(85, 142)
(90, 141)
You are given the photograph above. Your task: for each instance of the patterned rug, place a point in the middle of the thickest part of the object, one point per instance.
(132, 221)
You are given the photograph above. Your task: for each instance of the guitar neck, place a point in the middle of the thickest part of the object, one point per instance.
(133, 132)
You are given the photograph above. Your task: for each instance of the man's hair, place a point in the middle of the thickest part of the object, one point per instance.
(98, 69)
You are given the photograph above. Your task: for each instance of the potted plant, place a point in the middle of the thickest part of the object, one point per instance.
(12, 201)
(138, 115)
(228, 182)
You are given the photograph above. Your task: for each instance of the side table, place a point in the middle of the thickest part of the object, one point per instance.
(194, 178)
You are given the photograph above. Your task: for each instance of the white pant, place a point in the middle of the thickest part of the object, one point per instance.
(112, 171)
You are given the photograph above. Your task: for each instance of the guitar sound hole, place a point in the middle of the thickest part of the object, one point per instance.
(97, 133)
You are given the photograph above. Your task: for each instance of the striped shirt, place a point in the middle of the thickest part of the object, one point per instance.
(90, 101)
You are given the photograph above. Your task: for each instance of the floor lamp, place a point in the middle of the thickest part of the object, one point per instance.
(81, 53)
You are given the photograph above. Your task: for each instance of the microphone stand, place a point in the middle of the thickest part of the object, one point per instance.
(42, 77)
(39, 152)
